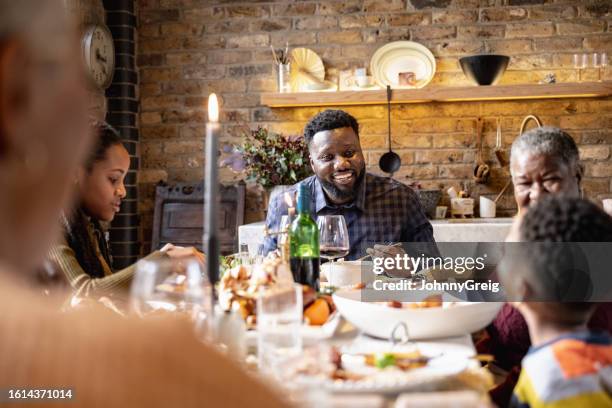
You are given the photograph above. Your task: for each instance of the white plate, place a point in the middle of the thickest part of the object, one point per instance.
(402, 56)
(393, 380)
(379, 320)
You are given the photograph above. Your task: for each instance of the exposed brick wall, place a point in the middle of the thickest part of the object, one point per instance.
(189, 48)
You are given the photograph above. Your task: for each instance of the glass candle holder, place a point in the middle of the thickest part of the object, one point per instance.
(283, 73)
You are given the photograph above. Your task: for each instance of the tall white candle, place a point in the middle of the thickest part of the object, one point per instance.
(211, 196)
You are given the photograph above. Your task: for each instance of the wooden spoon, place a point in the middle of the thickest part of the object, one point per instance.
(481, 170)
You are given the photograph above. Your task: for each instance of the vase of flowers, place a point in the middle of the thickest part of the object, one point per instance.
(269, 159)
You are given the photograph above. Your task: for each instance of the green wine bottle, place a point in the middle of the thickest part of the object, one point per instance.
(304, 243)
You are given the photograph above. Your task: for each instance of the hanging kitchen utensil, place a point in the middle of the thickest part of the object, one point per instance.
(389, 162)
(499, 150)
(481, 170)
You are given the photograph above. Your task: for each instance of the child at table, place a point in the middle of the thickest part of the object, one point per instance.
(567, 365)
(83, 256)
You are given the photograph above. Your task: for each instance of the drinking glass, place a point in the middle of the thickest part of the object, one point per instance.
(596, 63)
(173, 287)
(244, 255)
(603, 63)
(580, 63)
(279, 321)
(333, 236)
(283, 229)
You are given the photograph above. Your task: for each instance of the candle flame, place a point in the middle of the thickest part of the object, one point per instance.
(213, 108)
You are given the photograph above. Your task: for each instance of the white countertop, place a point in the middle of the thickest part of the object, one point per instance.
(447, 230)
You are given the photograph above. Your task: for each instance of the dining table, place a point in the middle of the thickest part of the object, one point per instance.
(464, 385)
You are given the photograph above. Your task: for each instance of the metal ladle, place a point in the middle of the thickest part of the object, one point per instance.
(389, 162)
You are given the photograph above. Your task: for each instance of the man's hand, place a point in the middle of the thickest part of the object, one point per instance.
(399, 270)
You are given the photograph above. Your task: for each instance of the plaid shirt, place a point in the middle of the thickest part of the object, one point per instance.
(385, 211)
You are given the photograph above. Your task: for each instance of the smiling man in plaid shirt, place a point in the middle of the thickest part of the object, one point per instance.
(377, 209)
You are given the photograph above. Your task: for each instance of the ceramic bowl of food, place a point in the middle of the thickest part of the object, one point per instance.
(347, 273)
(448, 319)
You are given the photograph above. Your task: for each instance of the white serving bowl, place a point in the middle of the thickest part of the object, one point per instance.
(379, 320)
(347, 273)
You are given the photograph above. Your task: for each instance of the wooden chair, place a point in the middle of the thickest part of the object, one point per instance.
(179, 215)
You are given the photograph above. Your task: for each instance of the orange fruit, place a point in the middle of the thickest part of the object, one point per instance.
(317, 313)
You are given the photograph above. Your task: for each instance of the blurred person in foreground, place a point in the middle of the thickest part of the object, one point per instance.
(44, 136)
(83, 255)
(568, 364)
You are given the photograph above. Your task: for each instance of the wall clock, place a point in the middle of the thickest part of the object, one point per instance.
(99, 54)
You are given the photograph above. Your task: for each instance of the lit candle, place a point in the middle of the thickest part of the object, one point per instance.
(211, 239)
(290, 207)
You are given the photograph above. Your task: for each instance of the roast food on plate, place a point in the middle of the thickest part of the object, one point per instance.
(429, 319)
(239, 287)
(429, 301)
(350, 370)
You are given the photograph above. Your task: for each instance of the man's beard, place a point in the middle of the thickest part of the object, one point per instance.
(339, 195)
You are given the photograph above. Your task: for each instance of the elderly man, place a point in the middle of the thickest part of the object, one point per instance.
(106, 361)
(544, 161)
(377, 209)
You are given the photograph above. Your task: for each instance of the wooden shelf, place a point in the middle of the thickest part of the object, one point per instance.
(440, 94)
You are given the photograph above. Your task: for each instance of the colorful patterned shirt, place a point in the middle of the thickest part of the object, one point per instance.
(384, 211)
(574, 370)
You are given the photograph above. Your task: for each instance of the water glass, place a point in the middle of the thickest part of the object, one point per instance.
(244, 255)
(279, 321)
(603, 63)
(283, 75)
(175, 288)
(580, 63)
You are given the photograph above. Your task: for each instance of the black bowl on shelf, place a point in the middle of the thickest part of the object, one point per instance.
(484, 69)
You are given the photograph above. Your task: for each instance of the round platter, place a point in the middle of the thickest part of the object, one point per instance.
(402, 56)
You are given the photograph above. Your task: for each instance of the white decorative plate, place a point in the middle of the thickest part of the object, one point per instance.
(402, 56)
(307, 69)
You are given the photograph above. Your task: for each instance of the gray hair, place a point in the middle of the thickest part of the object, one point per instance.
(549, 141)
(31, 19)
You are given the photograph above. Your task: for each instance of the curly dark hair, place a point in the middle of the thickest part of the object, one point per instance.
(107, 137)
(329, 119)
(77, 231)
(557, 218)
(556, 261)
